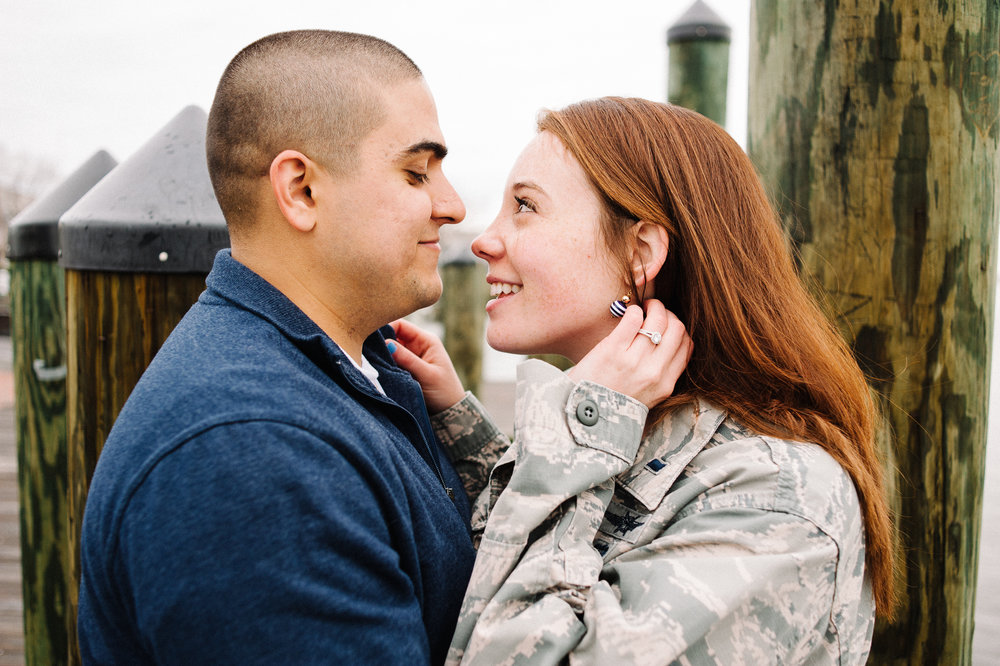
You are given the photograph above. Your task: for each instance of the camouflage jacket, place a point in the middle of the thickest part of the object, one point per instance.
(702, 543)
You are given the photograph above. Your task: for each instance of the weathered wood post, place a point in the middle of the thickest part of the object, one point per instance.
(38, 340)
(698, 74)
(461, 313)
(876, 125)
(136, 250)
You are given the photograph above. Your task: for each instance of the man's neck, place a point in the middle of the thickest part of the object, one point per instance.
(349, 334)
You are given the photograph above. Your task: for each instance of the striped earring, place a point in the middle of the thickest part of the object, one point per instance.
(618, 307)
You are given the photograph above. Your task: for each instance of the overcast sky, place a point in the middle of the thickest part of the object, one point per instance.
(76, 77)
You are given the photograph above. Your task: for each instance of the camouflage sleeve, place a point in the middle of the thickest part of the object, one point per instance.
(709, 593)
(471, 440)
(536, 560)
(722, 584)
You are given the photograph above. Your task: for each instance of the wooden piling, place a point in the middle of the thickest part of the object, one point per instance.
(698, 68)
(876, 125)
(38, 342)
(116, 322)
(461, 312)
(136, 250)
(39, 365)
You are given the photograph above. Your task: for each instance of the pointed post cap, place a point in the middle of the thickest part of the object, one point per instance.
(154, 213)
(34, 232)
(699, 22)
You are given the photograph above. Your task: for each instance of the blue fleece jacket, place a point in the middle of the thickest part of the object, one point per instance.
(258, 501)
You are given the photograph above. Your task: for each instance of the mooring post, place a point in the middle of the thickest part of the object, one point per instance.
(462, 314)
(698, 72)
(136, 250)
(38, 341)
(876, 126)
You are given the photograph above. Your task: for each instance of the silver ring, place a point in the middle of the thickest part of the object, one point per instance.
(653, 336)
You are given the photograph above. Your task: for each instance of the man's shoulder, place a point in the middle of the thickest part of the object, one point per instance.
(215, 401)
(214, 356)
(223, 366)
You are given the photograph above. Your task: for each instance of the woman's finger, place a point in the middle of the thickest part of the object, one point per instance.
(653, 326)
(673, 334)
(440, 385)
(414, 337)
(406, 359)
(627, 328)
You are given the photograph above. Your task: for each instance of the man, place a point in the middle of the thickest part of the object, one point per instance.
(272, 492)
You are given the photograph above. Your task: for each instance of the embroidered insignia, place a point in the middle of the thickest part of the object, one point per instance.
(655, 465)
(622, 522)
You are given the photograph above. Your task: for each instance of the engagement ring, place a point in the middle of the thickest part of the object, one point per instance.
(653, 336)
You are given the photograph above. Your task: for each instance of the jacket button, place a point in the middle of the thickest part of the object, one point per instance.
(586, 412)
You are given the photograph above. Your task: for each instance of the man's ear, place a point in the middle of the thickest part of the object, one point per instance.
(291, 177)
(649, 252)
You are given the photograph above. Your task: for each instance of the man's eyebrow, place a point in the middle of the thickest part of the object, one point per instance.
(438, 149)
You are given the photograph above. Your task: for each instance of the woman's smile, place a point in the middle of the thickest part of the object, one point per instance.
(501, 289)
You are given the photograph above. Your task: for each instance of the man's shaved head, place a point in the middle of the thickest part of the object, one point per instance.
(315, 91)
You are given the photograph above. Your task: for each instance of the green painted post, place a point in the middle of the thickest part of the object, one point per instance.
(136, 250)
(877, 125)
(698, 74)
(461, 313)
(38, 339)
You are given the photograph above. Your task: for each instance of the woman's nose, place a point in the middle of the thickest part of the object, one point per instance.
(488, 245)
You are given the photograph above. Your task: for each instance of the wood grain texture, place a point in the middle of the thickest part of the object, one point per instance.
(698, 76)
(876, 127)
(38, 335)
(461, 311)
(116, 322)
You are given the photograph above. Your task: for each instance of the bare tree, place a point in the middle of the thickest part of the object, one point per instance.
(23, 178)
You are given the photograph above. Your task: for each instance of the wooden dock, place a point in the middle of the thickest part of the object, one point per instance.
(11, 619)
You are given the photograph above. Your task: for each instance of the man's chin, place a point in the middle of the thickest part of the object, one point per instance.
(423, 298)
(431, 294)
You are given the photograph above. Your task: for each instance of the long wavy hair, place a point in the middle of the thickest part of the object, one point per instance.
(763, 348)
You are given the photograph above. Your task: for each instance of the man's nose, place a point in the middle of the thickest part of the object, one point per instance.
(447, 205)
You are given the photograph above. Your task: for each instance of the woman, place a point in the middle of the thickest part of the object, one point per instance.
(730, 514)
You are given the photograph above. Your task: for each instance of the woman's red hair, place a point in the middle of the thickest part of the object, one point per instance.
(763, 349)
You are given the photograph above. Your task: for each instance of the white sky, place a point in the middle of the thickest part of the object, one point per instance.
(80, 76)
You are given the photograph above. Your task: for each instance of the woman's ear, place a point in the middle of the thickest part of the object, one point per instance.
(649, 253)
(291, 177)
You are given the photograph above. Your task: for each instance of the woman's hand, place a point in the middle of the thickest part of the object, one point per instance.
(423, 356)
(628, 362)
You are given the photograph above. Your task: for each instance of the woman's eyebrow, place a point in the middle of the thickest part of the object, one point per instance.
(528, 184)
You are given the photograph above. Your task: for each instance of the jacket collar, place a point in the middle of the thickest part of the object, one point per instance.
(403, 401)
(235, 282)
(668, 449)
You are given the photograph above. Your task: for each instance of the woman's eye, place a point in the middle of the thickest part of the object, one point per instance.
(418, 177)
(523, 205)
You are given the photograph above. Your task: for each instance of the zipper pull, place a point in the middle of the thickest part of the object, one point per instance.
(451, 495)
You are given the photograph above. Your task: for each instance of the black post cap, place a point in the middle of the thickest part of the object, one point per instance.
(156, 212)
(697, 23)
(34, 232)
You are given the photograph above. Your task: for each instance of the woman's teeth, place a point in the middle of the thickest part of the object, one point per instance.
(499, 288)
